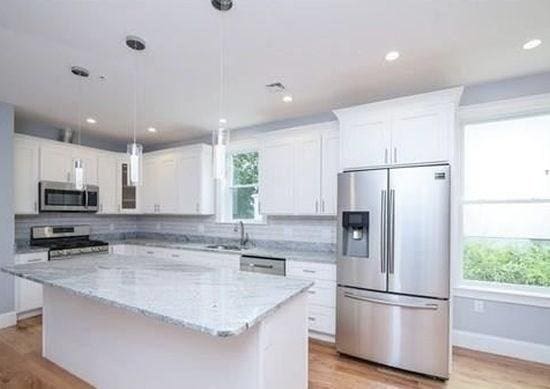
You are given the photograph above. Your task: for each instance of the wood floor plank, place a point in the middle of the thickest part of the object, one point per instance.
(22, 367)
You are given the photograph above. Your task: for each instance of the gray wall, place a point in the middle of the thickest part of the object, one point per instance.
(35, 127)
(6, 205)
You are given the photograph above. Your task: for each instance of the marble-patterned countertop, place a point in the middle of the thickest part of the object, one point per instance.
(288, 254)
(219, 302)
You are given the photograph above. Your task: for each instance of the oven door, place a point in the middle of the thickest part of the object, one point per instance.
(62, 197)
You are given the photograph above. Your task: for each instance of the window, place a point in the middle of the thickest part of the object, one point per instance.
(244, 186)
(506, 204)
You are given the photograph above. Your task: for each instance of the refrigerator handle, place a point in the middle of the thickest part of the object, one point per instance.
(383, 231)
(391, 232)
(394, 303)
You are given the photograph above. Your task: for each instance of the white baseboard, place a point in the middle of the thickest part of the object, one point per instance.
(29, 314)
(320, 336)
(8, 319)
(534, 352)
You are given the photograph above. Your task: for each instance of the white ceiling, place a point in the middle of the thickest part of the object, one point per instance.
(329, 53)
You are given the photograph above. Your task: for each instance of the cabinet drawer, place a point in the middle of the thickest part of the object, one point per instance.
(322, 319)
(322, 293)
(312, 270)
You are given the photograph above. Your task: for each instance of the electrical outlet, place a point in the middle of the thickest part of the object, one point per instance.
(479, 306)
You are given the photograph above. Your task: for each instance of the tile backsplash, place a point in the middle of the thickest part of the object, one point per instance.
(315, 230)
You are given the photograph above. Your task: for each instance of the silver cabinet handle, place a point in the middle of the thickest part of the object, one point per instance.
(308, 271)
(323, 205)
(34, 260)
(35, 206)
(386, 155)
(175, 256)
(394, 303)
(311, 291)
(260, 266)
(68, 176)
(150, 252)
(310, 318)
(391, 233)
(197, 207)
(316, 206)
(395, 154)
(383, 231)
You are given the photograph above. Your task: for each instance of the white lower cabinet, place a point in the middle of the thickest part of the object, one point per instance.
(28, 294)
(321, 296)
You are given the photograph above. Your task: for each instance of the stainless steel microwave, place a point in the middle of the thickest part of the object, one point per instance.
(64, 197)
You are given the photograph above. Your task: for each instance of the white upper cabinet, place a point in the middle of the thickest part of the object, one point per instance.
(196, 184)
(307, 176)
(409, 130)
(107, 178)
(26, 151)
(57, 162)
(330, 166)
(277, 177)
(178, 181)
(422, 135)
(298, 169)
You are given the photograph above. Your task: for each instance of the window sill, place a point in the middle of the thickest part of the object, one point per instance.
(501, 295)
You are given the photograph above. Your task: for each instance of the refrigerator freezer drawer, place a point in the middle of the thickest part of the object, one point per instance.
(410, 333)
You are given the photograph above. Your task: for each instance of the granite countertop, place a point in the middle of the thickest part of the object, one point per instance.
(219, 302)
(288, 254)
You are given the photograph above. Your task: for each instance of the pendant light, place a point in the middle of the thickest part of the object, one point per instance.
(220, 136)
(78, 164)
(134, 149)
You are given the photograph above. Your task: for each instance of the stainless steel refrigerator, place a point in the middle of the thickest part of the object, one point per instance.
(394, 267)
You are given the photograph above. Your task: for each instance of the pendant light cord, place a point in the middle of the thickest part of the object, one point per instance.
(222, 66)
(135, 93)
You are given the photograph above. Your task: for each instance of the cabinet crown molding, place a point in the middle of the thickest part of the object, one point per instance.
(441, 97)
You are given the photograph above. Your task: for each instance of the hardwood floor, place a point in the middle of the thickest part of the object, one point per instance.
(21, 366)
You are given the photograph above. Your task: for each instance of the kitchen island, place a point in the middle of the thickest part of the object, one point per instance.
(136, 322)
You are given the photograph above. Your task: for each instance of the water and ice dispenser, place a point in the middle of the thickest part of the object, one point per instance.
(355, 234)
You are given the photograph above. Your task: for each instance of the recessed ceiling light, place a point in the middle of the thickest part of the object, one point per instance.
(152, 130)
(392, 56)
(287, 99)
(91, 121)
(532, 44)
(222, 121)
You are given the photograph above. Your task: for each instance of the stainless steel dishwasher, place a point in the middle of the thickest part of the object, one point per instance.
(266, 265)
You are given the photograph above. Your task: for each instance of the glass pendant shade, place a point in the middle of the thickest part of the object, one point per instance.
(135, 153)
(220, 140)
(78, 174)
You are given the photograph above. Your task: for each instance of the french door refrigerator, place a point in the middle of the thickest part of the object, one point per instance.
(393, 267)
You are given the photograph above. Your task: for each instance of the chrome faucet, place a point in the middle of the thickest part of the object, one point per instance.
(244, 236)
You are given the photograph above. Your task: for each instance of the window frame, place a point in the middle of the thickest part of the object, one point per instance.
(493, 291)
(225, 212)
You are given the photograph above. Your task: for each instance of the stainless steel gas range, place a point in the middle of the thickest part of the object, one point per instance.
(67, 241)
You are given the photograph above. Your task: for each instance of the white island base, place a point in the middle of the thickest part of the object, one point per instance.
(111, 347)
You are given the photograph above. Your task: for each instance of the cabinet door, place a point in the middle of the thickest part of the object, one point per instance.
(107, 181)
(25, 177)
(28, 294)
(56, 163)
(365, 142)
(422, 135)
(89, 161)
(330, 166)
(150, 188)
(168, 185)
(307, 176)
(277, 178)
(189, 181)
